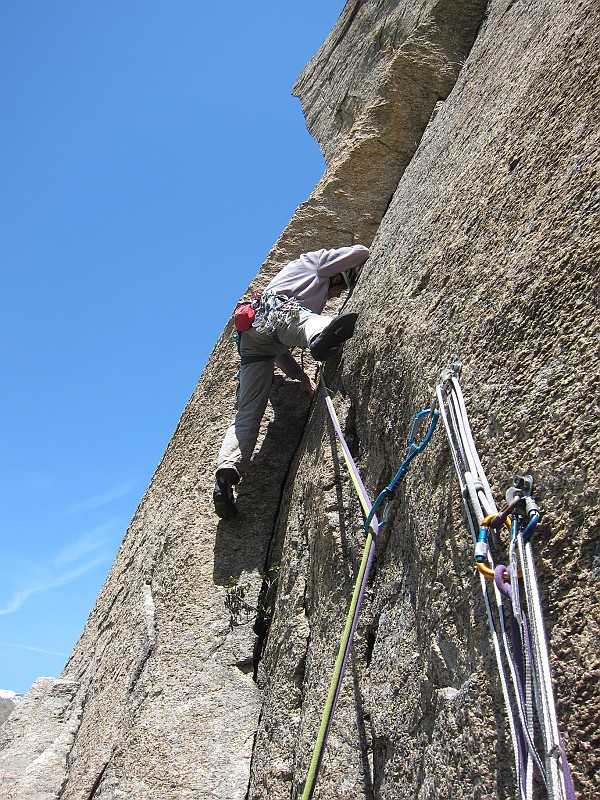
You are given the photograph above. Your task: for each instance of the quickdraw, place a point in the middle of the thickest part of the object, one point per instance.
(527, 658)
(414, 449)
(482, 548)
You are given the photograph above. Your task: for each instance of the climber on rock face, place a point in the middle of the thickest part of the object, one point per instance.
(288, 315)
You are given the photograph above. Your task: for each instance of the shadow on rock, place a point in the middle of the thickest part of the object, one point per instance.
(241, 544)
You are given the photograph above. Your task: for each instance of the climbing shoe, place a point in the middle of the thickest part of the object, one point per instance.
(328, 342)
(225, 506)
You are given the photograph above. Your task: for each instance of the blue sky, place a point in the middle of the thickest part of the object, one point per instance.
(152, 153)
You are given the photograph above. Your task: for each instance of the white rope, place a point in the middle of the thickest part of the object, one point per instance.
(476, 509)
(475, 455)
(528, 688)
(479, 502)
(453, 450)
(543, 678)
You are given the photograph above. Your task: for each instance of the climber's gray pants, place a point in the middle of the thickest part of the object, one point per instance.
(258, 352)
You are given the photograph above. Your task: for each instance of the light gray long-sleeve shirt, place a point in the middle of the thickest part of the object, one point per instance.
(307, 278)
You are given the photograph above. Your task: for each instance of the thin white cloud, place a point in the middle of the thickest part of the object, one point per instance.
(90, 550)
(20, 596)
(88, 543)
(34, 649)
(99, 500)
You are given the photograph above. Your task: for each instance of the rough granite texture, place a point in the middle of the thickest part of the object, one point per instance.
(463, 146)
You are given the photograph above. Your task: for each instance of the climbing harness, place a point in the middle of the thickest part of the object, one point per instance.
(243, 318)
(371, 527)
(527, 659)
(237, 338)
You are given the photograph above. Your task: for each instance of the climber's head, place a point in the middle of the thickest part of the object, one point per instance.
(337, 285)
(342, 281)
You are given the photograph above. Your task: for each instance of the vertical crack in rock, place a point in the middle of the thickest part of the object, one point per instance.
(271, 579)
(97, 782)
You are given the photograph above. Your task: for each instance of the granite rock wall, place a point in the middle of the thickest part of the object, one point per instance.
(462, 146)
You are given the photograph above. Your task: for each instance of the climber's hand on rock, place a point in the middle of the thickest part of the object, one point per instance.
(307, 386)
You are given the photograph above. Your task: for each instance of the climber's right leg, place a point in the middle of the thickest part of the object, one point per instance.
(239, 442)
